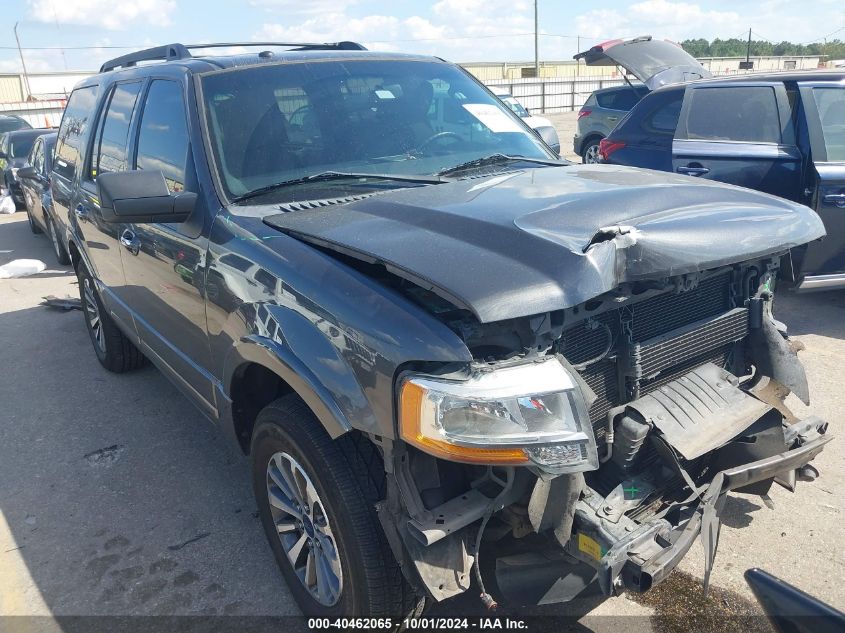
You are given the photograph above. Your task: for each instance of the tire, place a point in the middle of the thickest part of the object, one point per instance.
(32, 225)
(347, 478)
(58, 248)
(590, 152)
(114, 350)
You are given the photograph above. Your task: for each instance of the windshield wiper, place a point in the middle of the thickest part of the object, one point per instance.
(498, 159)
(336, 175)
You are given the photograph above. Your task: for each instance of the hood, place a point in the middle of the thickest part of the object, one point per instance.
(654, 62)
(540, 240)
(535, 122)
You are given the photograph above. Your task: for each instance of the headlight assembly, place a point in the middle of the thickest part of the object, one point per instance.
(532, 413)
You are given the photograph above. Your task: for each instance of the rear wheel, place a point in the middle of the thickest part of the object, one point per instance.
(590, 152)
(58, 248)
(114, 350)
(316, 500)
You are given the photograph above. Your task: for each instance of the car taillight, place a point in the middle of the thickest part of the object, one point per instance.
(607, 147)
(583, 112)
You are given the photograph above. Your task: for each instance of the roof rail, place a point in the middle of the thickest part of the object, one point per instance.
(170, 52)
(300, 46)
(164, 53)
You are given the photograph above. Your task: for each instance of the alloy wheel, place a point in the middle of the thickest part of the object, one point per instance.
(92, 312)
(304, 529)
(591, 155)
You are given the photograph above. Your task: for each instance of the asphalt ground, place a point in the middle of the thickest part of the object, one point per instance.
(117, 497)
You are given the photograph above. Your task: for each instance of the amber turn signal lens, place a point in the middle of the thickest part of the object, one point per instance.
(411, 401)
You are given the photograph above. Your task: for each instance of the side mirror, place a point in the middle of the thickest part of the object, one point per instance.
(27, 172)
(141, 196)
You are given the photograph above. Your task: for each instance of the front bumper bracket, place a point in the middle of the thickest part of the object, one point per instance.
(654, 549)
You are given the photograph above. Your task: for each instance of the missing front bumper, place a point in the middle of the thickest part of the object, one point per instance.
(647, 556)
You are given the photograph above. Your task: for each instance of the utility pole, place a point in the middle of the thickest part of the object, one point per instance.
(23, 64)
(578, 61)
(536, 43)
(748, 49)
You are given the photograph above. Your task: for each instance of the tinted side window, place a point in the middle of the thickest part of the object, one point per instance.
(622, 99)
(72, 133)
(831, 105)
(109, 153)
(742, 113)
(665, 118)
(163, 135)
(37, 158)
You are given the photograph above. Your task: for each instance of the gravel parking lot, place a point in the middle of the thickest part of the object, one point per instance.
(117, 497)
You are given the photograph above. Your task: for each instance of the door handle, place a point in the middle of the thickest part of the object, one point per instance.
(130, 242)
(81, 212)
(693, 171)
(836, 198)
(613, 118)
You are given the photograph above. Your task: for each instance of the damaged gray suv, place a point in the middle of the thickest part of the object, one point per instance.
(453, 359)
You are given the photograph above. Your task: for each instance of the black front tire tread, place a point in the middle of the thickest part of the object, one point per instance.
(354, 466)
(121, 355)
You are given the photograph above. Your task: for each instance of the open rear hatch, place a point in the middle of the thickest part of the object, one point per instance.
(654, 62)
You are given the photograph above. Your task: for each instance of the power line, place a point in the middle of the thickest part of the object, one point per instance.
(66, 48)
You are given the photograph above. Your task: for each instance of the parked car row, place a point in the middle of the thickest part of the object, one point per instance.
(780, 133)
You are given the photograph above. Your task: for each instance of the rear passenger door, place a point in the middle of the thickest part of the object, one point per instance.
(739, 133)
(615, 104)
(165, 263)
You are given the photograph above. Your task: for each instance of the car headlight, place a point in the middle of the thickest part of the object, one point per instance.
(532, 413)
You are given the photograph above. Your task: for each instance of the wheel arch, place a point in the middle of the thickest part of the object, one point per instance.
(592, 136)
(259, 370)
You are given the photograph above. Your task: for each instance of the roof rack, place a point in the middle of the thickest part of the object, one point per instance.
(170, 52)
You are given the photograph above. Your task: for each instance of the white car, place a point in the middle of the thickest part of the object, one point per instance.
(539, 124)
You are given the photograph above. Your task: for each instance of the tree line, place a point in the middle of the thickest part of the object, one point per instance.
(734, 47)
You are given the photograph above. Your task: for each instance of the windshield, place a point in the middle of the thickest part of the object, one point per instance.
(280, 122)
(20, 144)
(515, 106)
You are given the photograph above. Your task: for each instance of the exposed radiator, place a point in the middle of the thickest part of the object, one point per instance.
(653, 342)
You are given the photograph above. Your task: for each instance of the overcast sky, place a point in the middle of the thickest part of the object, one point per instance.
(459, 30)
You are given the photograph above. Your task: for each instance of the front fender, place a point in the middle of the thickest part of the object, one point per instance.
(302, 355)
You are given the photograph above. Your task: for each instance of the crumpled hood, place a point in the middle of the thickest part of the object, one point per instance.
(533, 241)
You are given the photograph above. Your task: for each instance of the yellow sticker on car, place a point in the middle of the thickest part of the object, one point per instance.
(589, 546)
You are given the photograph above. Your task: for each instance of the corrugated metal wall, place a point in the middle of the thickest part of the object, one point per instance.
(37, 113)
(10, 88)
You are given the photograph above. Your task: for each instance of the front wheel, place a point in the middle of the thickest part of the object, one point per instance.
(316, 500)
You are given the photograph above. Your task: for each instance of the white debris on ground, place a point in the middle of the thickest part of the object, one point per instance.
(7, 205)
(22, 268)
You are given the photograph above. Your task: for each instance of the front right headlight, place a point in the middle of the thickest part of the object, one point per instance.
(532, 413)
